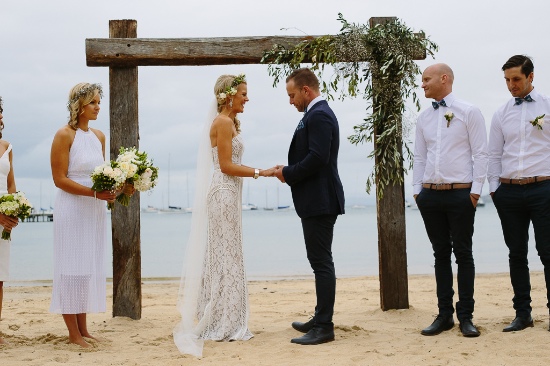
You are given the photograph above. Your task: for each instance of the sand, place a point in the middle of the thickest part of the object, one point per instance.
(365, 335)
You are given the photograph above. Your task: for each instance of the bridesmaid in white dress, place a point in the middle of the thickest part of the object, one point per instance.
(213, 299)
(7, 185)
(79, 283)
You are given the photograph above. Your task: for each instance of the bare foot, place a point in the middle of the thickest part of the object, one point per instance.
(97, 339)
(81, 342)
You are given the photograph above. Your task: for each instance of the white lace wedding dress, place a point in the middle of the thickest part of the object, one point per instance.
(79, 279)
(224, 297)
(214, 302)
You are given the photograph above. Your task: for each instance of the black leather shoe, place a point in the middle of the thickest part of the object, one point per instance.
(440, 324)
(468, 328)
(315, 336)
(304, 327)
(519, 323)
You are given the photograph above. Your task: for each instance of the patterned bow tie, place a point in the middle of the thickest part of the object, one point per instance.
(521, 100)
(437, 104)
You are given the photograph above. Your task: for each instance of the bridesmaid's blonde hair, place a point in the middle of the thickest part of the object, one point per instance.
(81, 95)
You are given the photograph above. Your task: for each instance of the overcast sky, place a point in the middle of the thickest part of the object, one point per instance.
(42, 55)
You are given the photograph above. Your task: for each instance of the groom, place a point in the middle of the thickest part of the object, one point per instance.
(317, 192)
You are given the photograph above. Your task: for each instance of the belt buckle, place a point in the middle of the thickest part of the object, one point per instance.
(439, 186)
(522, 181)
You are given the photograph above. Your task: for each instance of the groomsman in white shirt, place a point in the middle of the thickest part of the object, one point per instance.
(519, 179)
(450, 166)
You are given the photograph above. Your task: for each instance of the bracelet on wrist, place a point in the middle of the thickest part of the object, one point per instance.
(95, 195)
(256, 173)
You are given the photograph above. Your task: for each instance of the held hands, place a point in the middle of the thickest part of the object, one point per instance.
(268, 172)
(279, 173)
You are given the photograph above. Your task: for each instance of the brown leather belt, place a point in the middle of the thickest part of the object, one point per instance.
(446, 186)
(522, 181)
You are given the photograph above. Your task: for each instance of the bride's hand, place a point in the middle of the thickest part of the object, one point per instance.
(268, 172)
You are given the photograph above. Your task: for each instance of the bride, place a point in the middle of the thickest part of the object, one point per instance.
(213, 295)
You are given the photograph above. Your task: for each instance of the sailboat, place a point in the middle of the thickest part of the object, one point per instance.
(278, 206)
(188, 208)
(266, 207)
(248, 206)
(170, 209)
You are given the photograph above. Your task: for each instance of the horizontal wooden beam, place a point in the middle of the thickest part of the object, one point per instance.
(129, 52)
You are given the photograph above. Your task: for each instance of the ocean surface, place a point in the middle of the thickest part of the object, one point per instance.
(273, 245)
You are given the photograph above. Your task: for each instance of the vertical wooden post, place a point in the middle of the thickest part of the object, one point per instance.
(123, 93)
(392, 243)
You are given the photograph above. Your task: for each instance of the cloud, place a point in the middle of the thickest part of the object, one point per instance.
(43, 56)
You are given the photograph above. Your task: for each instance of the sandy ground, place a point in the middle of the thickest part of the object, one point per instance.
(365, 335)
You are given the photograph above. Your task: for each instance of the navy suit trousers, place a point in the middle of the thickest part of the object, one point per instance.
(318, 234)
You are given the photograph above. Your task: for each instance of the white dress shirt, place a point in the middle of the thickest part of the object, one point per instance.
(454, 154)
(315, 100)
(517, 149)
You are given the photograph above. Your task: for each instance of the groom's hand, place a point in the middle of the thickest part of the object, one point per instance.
(279, 173)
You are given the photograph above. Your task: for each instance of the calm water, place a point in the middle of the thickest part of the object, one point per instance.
(273, 245)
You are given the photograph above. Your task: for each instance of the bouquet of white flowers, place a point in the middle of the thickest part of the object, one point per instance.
(15, 205)
(108, 176)
(140, 171)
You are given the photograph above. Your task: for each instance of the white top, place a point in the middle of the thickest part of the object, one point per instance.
(453, 154)
(518, 149)
(4, 170)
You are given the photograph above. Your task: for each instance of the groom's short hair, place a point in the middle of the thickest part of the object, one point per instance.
(304, 77)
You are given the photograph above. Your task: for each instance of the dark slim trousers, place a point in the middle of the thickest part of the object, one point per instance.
(449, 220)
(518, 206)
(318, 233)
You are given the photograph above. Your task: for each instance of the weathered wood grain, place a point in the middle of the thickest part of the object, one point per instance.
(124, 128)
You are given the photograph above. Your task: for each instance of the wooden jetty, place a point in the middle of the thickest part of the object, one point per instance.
(39, 217)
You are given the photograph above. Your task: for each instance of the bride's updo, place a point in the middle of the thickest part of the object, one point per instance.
(224, 89)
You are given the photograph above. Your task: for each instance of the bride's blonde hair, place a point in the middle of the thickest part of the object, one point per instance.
(223, 90)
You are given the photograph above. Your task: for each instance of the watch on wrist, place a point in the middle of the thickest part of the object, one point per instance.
(256, 173)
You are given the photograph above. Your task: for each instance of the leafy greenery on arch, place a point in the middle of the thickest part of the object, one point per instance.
(359, 55)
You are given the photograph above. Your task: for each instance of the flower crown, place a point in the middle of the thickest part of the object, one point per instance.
(84, 91)
(231, 90)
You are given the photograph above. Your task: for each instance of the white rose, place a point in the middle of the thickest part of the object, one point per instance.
(147, 173)
(132, 170)
(108, 171)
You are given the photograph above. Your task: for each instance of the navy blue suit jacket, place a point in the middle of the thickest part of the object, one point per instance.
(312, 171)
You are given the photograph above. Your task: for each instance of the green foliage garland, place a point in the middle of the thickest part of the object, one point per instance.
(360, 54)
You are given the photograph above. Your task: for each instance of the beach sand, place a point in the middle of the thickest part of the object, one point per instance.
(365, 335)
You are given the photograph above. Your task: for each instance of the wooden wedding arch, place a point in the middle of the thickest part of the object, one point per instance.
(123, 52)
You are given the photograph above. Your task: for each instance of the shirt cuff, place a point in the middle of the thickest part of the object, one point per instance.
(417, 188)
(476, 188)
